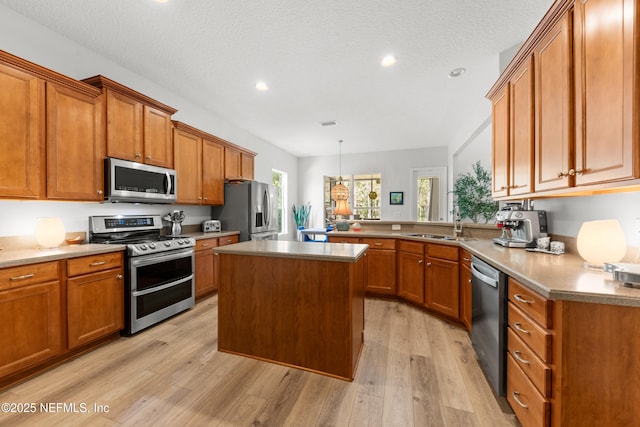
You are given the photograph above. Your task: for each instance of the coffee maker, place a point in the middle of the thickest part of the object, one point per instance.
(521, 225)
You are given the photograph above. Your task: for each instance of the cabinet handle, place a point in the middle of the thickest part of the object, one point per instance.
(466, 259)
(563, 174)
(428, 264)
(515, 186)
(147, 157)
(378, 244)
(100, 192)
(24, 276)
(119, 277)
(206, 198)
(518, 357)
(469, 281)
(97, 263)
(522, 299)
(205, 245)
(515, 395)
(580, 171)
(138, 155)
(519, 327)
(420, 261)
(504, 188)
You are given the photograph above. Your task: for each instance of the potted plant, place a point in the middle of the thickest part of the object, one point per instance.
(473, 195)
(301, 216)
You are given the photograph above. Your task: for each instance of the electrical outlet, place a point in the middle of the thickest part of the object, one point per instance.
(396, 227)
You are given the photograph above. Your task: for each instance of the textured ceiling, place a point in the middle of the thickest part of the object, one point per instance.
(319, 58)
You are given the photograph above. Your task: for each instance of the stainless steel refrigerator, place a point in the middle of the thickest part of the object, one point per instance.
(249, 207)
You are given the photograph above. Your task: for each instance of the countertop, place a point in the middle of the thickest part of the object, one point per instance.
(17, 257)
(340, 252)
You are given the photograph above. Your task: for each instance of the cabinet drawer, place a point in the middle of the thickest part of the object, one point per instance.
(15, 277)
(205, 244)
(537, 371)
(465, 258)
(530, 407)
(93, 263)
(379, 243)
(442, 251)
(227, 240)
(411, 247)
(343, 239)
(538, 339)
(533, 304)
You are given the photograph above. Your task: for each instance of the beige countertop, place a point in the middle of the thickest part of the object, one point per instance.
(340, 252)
(212, 235)
(13, 258)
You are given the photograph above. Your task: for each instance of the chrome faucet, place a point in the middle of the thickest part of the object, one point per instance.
(457, 224)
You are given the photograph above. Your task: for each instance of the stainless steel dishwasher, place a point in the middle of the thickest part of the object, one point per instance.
(489, 322)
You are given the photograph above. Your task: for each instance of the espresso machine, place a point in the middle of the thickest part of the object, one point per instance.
(521, 225)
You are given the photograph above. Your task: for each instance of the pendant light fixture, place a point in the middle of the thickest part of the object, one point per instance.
(340, 194)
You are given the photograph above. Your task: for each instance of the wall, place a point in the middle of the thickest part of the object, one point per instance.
(33, 42)
(394, 166)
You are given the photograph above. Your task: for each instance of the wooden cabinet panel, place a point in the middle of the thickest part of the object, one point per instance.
(228, 240)
(521, 143)
(535, 369)
(380, 271)
(501, 128)
(22, 119)
(443, 252)
(30, 326)
(212, 173)
(411, 276)
(536, 306)
(411, 247)
(232, 167)
(124, 127)
(75, 145)
(554, 109)
(246, 165)
(95, 306)
(379, 243)
(28, 275)
(465, 296)
(206, 280)
(442, 286)
(158, 144)
(538, 339)
(94, 263)
(343, 239)
(530, 407)
(606, 101)
(188, 165)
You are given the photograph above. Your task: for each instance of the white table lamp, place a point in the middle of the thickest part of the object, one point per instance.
(49, 232)
(600, 242)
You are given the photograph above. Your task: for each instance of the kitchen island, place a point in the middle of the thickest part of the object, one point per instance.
(293, 303)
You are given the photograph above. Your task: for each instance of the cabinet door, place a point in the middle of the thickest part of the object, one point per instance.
(158, 145)
(95, 306)
(411, 277)
(29, 325)
(188, 165)
(75, 145)
(606, 100)
(21, 134)
(521, 143)
(212, 173)
(246, 162)
(124, 127)
(205, 277)
(501, 129)
(465, 296)
(442, 286)
(380, 268)
(232, 167)
(554, 134)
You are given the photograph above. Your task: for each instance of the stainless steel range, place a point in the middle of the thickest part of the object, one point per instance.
(159, 269)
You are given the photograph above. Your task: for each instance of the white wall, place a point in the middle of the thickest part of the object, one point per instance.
(31, 41)
(394, 166)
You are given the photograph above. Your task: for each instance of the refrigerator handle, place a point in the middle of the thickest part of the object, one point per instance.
(266, 201)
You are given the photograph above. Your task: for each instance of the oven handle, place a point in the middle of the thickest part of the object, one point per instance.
(163, 287)
(154, 259)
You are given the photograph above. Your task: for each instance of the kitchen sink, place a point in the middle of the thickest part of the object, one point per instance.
(432, 236)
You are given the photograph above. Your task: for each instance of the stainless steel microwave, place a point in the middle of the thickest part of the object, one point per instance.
(127, 181)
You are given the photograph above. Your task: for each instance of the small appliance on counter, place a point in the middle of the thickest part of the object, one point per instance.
(175, 218)
(211, 225)
(521, 225)
(628, 274)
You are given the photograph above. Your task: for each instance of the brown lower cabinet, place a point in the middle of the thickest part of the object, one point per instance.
(442, 285)
(207, 264)
(411, 271)
(465, 288)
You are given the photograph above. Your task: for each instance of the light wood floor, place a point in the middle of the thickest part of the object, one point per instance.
(415, 370)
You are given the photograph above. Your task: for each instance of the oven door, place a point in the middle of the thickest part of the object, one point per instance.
(161, 285)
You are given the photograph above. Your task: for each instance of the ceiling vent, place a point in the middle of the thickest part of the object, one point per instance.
(329, 123)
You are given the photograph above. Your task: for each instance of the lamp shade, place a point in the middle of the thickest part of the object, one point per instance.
(600, 242)
(49, 232)
(342, 208)
(339, 192)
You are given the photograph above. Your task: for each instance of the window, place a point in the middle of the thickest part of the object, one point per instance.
(429, 196)
(279, 180)
(364, 196)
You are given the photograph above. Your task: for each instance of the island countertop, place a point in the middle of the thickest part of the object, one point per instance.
(289, 249)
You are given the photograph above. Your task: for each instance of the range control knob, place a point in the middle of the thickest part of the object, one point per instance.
(518, 215)
(167, 244)
(180, 242)
(152, 245)
(143, 247)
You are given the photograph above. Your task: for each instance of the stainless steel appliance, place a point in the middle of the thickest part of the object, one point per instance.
(211, 225)
(520, 227)
(489, 322)
(250, 207)
(126, 181)
(159, 269)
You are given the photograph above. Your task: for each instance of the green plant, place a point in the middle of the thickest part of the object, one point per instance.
(473, 195)
(301, 214)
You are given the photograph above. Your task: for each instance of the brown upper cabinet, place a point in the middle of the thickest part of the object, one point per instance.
(138, 127)
(584, 104)
(238, 163)
(199, 163)
(22, 130)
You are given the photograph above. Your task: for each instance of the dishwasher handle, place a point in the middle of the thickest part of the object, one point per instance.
(475, 272)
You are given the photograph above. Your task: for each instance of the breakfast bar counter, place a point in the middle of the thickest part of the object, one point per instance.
(293, 303)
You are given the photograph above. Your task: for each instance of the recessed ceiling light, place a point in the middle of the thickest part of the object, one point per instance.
(456, 72)
(162, 1)
(262, 86)
(388, 61)
(328, 123)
